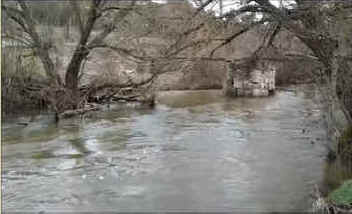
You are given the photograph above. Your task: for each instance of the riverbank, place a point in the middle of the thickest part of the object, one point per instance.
(335, 193)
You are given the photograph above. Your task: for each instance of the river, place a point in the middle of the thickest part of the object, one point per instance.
(195, 151)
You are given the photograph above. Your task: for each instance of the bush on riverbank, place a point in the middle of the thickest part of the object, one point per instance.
(338, 174)
(338, 197)
(342, 196)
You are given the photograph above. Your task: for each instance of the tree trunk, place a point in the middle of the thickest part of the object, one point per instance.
(71, 77)
(49, 67)
(81, 51)
(337, 116)
(342, 115)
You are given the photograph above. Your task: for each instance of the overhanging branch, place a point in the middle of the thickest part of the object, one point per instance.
(232, 37)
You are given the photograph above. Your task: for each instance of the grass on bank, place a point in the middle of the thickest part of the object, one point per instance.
(338, 175)
(342, 196)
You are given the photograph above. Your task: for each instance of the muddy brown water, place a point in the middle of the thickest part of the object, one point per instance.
(196, 151)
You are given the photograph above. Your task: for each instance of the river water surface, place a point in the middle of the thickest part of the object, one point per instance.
(196, 151)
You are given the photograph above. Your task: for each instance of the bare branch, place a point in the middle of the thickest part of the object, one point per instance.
(247, 8)
(192, 44)
(119, 50)
(274, 34)
(185, 34)
(202, 7)
(23, 18)
(22, 41)
(17, 16)
(299, 55)
(232, 37)
(110, 27)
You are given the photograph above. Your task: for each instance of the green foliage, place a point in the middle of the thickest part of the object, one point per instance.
(342, 195)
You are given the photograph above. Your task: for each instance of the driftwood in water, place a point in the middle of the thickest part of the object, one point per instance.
(72, 113)
(67, 104)
(132, 98)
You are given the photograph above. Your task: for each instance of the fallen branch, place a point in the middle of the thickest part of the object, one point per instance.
(132, 98)
(72, 113)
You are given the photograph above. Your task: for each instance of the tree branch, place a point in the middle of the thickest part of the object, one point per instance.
(24, 19)
(299, 55)
(274, 34)
(17, 16)
(192, 44)
(202, 7)
(118, 50)
(232, 37)
(247, 8)
(109, 28)
(25, 43)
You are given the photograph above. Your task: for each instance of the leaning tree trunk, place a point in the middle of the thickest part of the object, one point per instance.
(73, 69)
(82, 50)
(72, 76)
(338, 117)
(327, 50)
(342, 115)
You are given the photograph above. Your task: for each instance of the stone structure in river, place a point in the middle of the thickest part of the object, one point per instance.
(258, 82)
(251, 77)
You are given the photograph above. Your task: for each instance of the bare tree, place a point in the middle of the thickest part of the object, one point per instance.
(88, 15)
(128, 28)
(315, 24)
